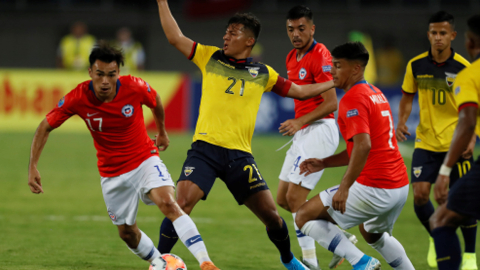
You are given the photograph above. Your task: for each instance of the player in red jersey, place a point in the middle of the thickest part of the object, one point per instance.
(128, 161)
(374, 188)
(314, 129)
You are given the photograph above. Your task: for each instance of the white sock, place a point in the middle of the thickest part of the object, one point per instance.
(145, 249)
(307, 244)
(393, 252)
(189, 235)
(332, 238)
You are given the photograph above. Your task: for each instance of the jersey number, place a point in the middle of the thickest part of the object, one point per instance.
(229, 89)
(251, 179)
(390, 132)
(463, 168)
(439, 95)
(99, 120)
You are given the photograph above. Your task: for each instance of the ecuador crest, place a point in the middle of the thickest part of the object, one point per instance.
(417, 171)
(450, 78)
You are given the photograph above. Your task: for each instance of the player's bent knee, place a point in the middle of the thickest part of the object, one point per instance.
(421, 197)
(282, 202)
(444, 217)
(301, 218)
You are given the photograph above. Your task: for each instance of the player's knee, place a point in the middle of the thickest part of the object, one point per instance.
(421, 196)
(294, 202)
(185, 204)
(168, 206)
(129, 237)
(301, 218)
(282, 202)
(272, 219)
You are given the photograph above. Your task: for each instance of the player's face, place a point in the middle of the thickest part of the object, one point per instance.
(104, 77)
(300, 32)
(236, 40)
(441, 35)
(342, 70)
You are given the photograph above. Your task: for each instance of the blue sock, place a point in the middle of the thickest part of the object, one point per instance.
(449, 253)
(168, 236)
(424, 212)
(281, 239)
(469, 232)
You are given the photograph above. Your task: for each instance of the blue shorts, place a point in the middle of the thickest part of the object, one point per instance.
(464, 196)
(205, 162)
(426, 165)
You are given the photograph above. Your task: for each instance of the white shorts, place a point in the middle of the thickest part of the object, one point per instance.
(376, 208)
(318, 140)
(121, 193)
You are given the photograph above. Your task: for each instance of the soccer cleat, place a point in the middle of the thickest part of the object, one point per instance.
(158, 264)
(469, 261)
(295, 264)
(367, 263)
(337, 260)
(208, 266)
(309, 265)
(432, 254)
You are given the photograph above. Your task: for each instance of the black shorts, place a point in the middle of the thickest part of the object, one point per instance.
(464, 196)
(205, 162)
(426, 165)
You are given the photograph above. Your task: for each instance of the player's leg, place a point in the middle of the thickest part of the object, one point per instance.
(138, 242)
(283, 180)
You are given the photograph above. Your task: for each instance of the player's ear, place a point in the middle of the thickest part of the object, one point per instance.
(454, 35)
(250, 41)
(313, 29)
(90, 72)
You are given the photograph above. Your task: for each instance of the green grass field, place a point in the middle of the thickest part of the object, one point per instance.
(68, 227)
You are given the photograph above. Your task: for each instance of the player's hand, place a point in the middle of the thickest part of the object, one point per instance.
(162, 141)
(311, 165)
(339, 200)
(290, 127)
(469, 151)
(34, 181)
(441, 189)
(401, 131)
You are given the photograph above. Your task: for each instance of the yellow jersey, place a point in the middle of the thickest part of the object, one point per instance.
(467, 89)
(438, 111)
(76, 51)
(231, 94)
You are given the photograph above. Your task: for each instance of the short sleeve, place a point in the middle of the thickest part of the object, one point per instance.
(272, 79)
(148, 94)
(409, 85)
(201, 54)
(465, 90)
(323, 66)
(356, 114)
(64, 110)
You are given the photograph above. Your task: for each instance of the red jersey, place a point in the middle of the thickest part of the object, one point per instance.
(314, 67)
(364, 109)
(117, 127)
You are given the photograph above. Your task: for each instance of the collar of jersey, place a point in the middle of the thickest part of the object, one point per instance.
(238, 61)
(90, 86)
(440, 64)
(309, 49)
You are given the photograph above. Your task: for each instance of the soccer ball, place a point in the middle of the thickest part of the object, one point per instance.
(173, 262)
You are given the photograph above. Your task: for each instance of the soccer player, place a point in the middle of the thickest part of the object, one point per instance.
(231, 92)
(128, 161)
(462, 202)
(314, 129)
(432, 74)
(374, 188)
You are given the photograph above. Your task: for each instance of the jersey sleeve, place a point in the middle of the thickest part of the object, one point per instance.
(356, 115)
(465, 90)
(322, 67)
(201, 54)
(409, 85)
(65, 109)
(147, 93)
(273, 77)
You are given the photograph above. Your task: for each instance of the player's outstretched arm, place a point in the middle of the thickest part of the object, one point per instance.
(404, 110)
(161, 139)
(467, 120)
(172, 31)
(39, 141)
(312, 165)
(307, 91)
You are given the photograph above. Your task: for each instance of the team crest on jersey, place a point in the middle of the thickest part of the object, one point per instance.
(352, 112)
(450, 78)
(417, 171)
(188, 170)
(457, 90)
(253, 71)
(302, 74)
(61, 102)
(127, 110)
(112, 216)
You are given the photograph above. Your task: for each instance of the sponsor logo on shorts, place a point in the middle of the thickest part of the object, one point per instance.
(302, 74)
(112, 216)
(417, 171)
(257, 185)
(127, 110)
(352, 112)
(188, 170)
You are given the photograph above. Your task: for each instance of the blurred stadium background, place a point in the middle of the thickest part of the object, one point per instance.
(67, 227)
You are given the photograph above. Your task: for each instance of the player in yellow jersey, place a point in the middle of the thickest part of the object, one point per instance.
(232, 88)
(462, 201)
(431, 75)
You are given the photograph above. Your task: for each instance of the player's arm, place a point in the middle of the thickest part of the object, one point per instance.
(328, 106)
(358, 159)
(467, 120)
(39, 141)
(312, 165)
(307, 91)
(404, 110)
(161, 139)
(172, 31)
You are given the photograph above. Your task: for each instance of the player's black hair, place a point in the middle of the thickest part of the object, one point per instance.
(442, 16)
(107, 53)
(352, 51)
(474, 24)
(300, 11)
(249, 22)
